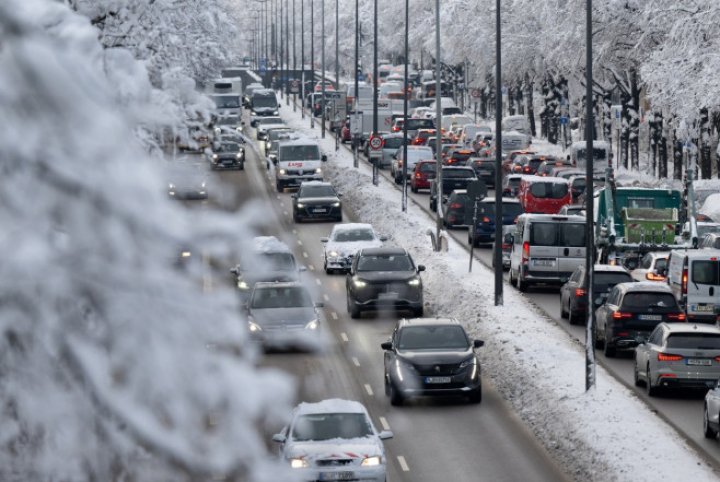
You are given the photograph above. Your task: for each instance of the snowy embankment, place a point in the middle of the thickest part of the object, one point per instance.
(605, 434)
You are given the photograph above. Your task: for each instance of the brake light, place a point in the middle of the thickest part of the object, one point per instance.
(486, 219)
(669, 357)
(526, 252)
(717, 358)
(395, 128)
(418, 175)
(455, 206)
(619, 315)
(506, 246)
(684, 281)
(579, 292)
(526, 169)
(676, 316)
(623, 334)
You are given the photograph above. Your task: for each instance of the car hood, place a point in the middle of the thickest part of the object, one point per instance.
(433, 357)
(374, 276)
(281, 276)
(334, 449)
(318, 200)
(350, 248)
(299, 315)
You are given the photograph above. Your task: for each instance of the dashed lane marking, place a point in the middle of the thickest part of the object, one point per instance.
(368, 389)
(355, 361)
(384, 423)
(403, 463)
(326, 297)
(299, 242)
(311, 267)
(334, 315)
(344, 337)
(318, 282)
(294, 231)
(285, 212)
(305, 255)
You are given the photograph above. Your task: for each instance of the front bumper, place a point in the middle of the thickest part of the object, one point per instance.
(338, 262)
(320, 211)
(353, 473)
(287, 338)
(228, 162)
(397, 295)
(187, 195)
(295, 181)
(463, 382)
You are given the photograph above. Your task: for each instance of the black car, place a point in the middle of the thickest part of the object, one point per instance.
(484, 169)
(381, 278)
(268, 259)
(573, 294)
(316, 200)
(453, 209)
(453, 177)
(187, 181)
(227, 155)
(431, 356)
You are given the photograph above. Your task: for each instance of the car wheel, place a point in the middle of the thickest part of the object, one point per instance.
(636, 376)
(414, 189)
(476, 395)
(279, 187)
(609, 349)
(708, 431)
(242, 166)
(599, 343)
(338, 219)
(296, 218)
(396, 398)
(433, 206)
(397, 180)
(353, 309)
(651, 390)
(563, 312)
(418, 312)
(521, 285)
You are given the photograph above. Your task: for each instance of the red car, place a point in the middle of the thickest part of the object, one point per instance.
(458, 157)
(423, 175)
(328, 86)
(345, 134)
(422, 136)
(544, 195)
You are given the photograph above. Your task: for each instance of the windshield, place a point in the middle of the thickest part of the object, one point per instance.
(549, 190)
(695, 341)
(276, 133)
(428, 167)
(352, 235)
(393, 143)
(458, 173)
(643, 301)
(603, 282)
(264, 101)
(328, 426)
(443, 337)
(385, 262)
(703, 229)
(228, 147)
(300, 153)
(317, 191)
(487, 208)
(287, 297)
(227, 101)
(227, 121)
(420, 154)
(277, 261)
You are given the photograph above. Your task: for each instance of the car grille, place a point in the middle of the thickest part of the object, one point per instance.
(333, 462)
(437, 369)
(300, 172)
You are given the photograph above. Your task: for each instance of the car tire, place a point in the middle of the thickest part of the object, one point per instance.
(708, 431)
(413, 189)
(418, 312)
(475, 396)
(353, 309)
(636, 377)
(599, 344)
(521, 285)
(396, 398)
(279, 187)
(242, 166)
(397, 180)
(609, 350)
(433, 206)
(338, 219)
(296, 218)
(651, 390)
(563, 312)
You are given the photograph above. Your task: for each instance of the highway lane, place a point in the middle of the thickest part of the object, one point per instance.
(434, 440)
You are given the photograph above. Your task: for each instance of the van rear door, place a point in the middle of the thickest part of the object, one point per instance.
(571, 250)
(544, 251)
(703, 287)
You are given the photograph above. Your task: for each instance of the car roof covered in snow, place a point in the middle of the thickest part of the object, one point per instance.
(269, 244)
(332, 405)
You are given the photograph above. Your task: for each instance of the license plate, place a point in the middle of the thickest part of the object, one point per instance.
(703, 308)
(319, 210)
(650, 317)
(484, 173)
(699, 361)
(337, 475)
(388, 296)
(544, 262)
(430, 380)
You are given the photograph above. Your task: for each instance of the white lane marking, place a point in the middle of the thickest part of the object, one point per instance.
(311, 267)
(285, 212)
(294, 231)
(299, 242)
(355, 361)
(368, 389)
(326, 297)
(334, 315)
(344, 337)
(384, 423)
(318, 282)
(305, 255)
(403, 463)
(277, 195)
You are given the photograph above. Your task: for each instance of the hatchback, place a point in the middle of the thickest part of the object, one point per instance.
(453, 209)
(574, 295)
(423, 175)
(485, 226)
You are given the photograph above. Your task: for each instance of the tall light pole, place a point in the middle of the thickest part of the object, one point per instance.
(287, 51)
(322, 68)
(375, 88)
(294, 57)
(497, 247)
(405, 108)
(438, 134)
(357, 87)
(283, 73)
(337, 50)
(589, 234)
(312, 61)
(302, 58)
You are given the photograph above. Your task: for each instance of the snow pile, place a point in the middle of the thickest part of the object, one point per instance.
(606, 434)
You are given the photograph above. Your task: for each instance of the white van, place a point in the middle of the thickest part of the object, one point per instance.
(515, 141)
(546, 249)
(694, 277)
(517, 123)
(601, 155)
(297, 161)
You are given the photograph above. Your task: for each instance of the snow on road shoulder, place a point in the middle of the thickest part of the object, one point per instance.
(606, 434)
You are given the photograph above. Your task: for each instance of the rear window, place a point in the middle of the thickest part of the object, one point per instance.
(514, 182)
(640, 202)
(694, 341)
(393, 143)
(642, 301)
(605, 281)
(549, 190)
(572, 234)
(556, 234)
(428, 167)
(706, 272)
(418, 154)
(458, 173)
(543, 234)
(508, 209)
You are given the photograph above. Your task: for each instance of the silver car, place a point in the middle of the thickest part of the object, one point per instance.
(679, 355)
(711, 412)
(333, 440)
(344, 241)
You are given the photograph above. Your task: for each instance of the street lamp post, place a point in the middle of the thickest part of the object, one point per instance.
(357, 87)
(375, 88)
(337, 50)
(287, 52)
(438, 135)
(497, 248)
(590, 235)
(312, 60)
(405, 109)
(294, 57)
(302, 58)
(322, 69)
(283, 73)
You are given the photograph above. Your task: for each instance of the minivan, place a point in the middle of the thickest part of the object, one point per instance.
(546, 249)
(544, 195)
(694, 277)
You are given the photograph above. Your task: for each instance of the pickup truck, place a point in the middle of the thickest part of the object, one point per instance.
(453, 177)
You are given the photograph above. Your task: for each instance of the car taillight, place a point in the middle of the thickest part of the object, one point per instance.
(526, 169)
(669, 357)
(717, 358)
(418, 175)
(455, 206)
(395, 128)
(486, 219)
(676, 316)
(579, 292)
(619, 315)
(506, 246)
(654, 277)
(684, 281)
(526, 252)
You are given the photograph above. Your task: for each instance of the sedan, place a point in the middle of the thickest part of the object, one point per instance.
(227, 155)
(679, 355)
(431, 356)
(316, 200)
(711, 412)
(574, 296)
(384, 278)
(333, 440)
(187, 181)
(345, 240)
(453, 209)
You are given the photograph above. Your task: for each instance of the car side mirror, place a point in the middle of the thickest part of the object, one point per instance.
(339, 194)
(324, 240)
(385, 434)
(386, 345)
(235, 271)
(279, 438)
(323, 158)
(319, 304)
(383, 238)
(478, 343)
(421, 267)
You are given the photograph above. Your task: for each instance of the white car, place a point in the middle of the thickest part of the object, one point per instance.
(345, 240)
(711, 412)
(651, 266)
(333, 440)
(415, 154)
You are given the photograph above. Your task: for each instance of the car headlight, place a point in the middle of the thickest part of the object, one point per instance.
(254, 327)
(371, 461)
(336, 205)
(333, 254)
(215, 156)
(185, 254)
(283, 172)
(313, 325)
(202, 185)
(468, 362)
(171, 186)
(275, 112)
(414, 282)
(300, 205)
(242, 285)
(359, 283)
(239, 155)
(298, 463)
(318, 171)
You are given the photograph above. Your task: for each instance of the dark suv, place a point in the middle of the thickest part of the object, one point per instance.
(384, 278)
(573, 294)
(431, 356)
(316, 200)
(453, 177)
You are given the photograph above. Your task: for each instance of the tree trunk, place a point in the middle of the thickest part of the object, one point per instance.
(634, 138)
(653, 134)
(544, 114)
(511, 100)
(607, 116)
(677, 157)
(662, 147)
(704, 145)
(530, 107)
